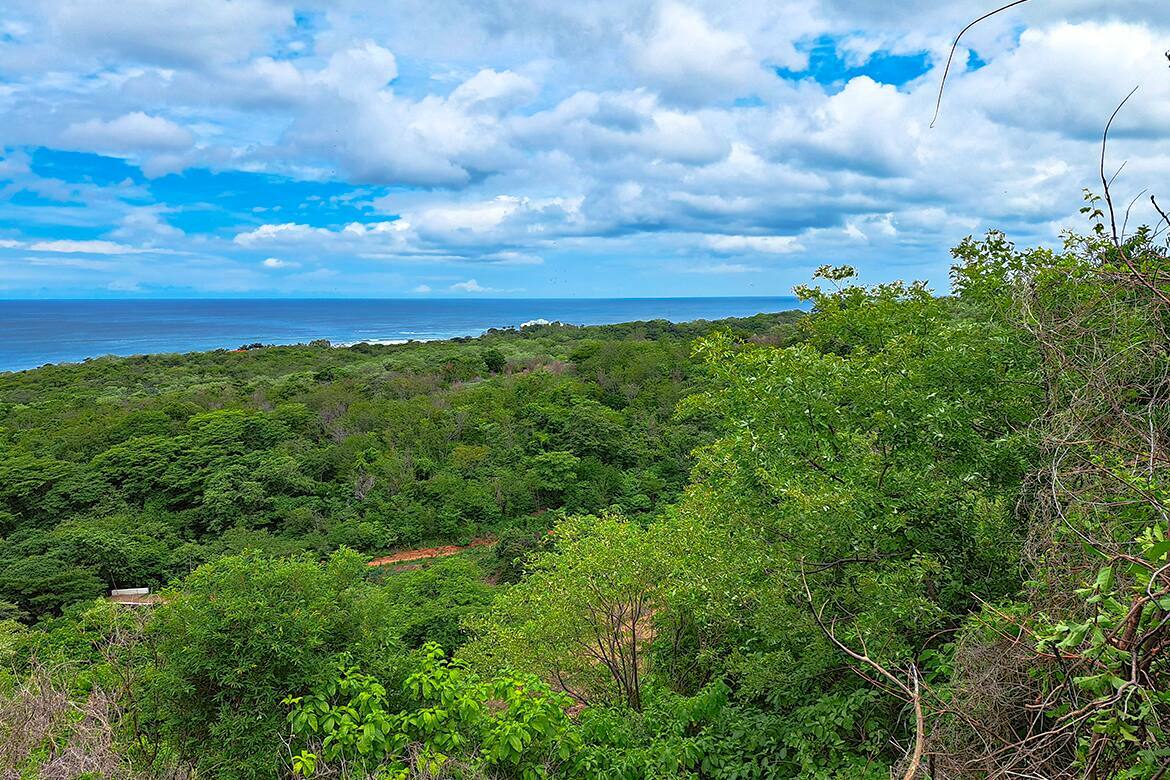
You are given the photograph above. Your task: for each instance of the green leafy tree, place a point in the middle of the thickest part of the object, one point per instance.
(494, 360)
(511, 725)
(872, 467)
(239, 635)
(553, 475)
(44, 584)
(583, 615)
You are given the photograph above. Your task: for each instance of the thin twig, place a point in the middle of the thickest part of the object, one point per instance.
(954, 46)
(1105, 182)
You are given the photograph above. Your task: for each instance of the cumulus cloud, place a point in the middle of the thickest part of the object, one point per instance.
(545, 140)
(469, 286)
(494, 92)
(482, 231)
(135, 131)
(351, 114)
(276, 262)
(146, 225)
(357, 71)
(690, 60)
(1054, 68)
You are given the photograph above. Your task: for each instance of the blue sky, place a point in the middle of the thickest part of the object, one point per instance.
(191, 148)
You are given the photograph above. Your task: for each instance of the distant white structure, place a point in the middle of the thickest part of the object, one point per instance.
(530, 323)
(130, 591)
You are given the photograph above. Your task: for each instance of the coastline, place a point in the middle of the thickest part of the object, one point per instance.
(110, 327)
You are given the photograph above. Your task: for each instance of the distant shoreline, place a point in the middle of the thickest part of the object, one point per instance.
(60, 331)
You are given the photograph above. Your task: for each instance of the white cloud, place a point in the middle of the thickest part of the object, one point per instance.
(350, 114)
(495, 92)
(85, 247)
(775, 245)
(470, 286)
(482, 232)
(284, 232)
(467, 217)
(145, 224)
(690, 60)
(871, 226)
(131, 132)
(171, 32)
(276, 262)
(422, 288)
(1054, 70)
(509, 257)
(357, 71)
(722, 268)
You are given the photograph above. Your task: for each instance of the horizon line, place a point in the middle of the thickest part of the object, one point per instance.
(416, 298)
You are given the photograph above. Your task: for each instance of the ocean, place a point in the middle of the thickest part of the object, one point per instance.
(33, 333)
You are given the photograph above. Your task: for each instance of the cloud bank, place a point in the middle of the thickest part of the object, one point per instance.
(601, 148)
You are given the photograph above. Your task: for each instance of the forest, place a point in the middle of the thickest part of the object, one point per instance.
(898, 534)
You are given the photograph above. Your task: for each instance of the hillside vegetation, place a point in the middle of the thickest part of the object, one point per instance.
(903, 535)
(131, 472)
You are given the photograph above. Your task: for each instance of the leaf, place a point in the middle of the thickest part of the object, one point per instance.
(1156, 552)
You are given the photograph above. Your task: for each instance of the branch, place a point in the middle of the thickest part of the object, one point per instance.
(954, 46)
(912, 692)
(1105, 182)
(1161, 213)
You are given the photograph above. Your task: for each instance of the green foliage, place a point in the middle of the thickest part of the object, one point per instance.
(511, 725)
(690, 535)
(494, 360)
(513, 549)
(877, 461)
(583, 614)
(38, 584)
(242, 633)
(428, 605)
(132, 471)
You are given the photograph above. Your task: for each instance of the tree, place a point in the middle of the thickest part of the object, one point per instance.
(553, 474)
(428, 605)
(583, 616)
(494, 360)
(236, 637)
(44, 584)
(509, 726)
(1088, 632)
(878, 460)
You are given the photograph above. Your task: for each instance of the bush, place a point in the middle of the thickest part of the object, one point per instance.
(239, 635)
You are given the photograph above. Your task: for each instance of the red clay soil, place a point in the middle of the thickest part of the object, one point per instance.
(431, 552)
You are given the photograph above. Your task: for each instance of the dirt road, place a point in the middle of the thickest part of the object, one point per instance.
(406, 556)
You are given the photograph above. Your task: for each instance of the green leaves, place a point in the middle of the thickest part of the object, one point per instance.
(512, 722)
(240, 635)
(583, 614)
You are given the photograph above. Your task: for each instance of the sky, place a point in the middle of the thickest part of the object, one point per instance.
(543, 148)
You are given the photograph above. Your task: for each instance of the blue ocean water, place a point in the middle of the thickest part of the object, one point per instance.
(33, 333)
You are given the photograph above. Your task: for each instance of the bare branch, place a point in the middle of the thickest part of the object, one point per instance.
(954, 46)
(911, 692)
(1104, 181)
